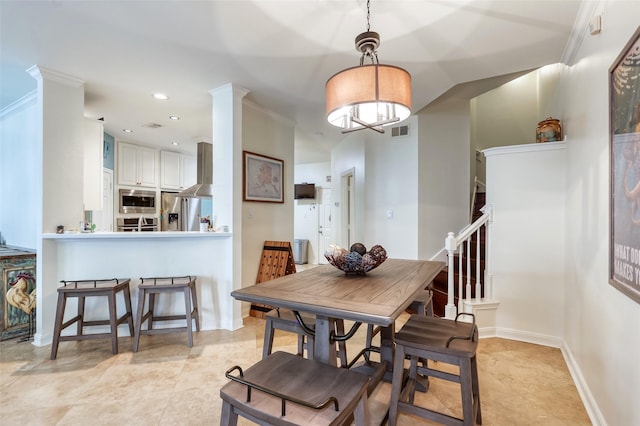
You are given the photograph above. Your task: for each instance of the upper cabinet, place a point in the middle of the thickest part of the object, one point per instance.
(137, 165)
(177, 171)
(92, 141)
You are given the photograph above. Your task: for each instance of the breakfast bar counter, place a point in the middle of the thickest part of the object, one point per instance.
(103, 255)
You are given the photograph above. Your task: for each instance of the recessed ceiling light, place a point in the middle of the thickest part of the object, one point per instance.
(160, 96)
(127, 130)
(174, 117)
(175, 143)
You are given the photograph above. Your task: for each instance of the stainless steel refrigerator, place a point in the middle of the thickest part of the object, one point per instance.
(179, 213)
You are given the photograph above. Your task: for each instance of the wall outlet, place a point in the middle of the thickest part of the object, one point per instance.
(389, 214)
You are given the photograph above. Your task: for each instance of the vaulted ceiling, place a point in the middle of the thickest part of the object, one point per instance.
(282, 51)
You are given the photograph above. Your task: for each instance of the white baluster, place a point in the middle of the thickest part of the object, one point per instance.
(450, 309)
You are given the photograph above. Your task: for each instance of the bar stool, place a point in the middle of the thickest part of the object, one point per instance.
(285, 389)
(152, 286)
(91, 288)
(438, 339)
(284, 319)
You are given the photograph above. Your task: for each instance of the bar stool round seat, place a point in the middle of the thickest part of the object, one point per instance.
(108, 288)
(152, 286)
(446, 341)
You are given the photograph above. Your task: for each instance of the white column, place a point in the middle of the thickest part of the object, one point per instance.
(227, 183)
(60, 121)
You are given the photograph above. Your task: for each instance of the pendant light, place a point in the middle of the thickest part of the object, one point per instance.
(368, 96)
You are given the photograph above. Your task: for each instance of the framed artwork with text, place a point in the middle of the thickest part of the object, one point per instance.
(624, 156)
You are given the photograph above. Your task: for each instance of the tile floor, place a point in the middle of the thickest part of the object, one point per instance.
(167, 383)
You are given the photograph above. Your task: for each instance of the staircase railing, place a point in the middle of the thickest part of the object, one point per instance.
(456, 244)
(478, 183)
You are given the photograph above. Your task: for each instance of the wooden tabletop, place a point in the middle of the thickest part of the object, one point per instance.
(378, 297)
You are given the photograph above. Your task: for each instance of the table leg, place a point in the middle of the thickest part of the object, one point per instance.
(387, 347)
(324, 349)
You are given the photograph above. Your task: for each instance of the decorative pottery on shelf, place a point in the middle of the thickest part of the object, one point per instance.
(549, 130)
(357, 260)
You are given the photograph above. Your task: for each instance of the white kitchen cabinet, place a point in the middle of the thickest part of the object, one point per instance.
(177, 171)
(92, 141)
(137, 165)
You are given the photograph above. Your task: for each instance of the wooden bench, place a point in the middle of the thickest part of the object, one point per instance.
(286, 389)
(91, 288)
(157, 285)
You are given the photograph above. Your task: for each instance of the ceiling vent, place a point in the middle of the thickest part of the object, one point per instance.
(399, 131)
(152, 125)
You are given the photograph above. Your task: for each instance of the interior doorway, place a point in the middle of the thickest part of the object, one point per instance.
(103, 219)
(325, 223)
(347, 211)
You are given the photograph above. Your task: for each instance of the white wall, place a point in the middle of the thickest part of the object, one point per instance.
(527, 240)
(392, 188)
(509, 114)
(602, 332)
(270, 135)
(444, 194)
(349, 155)
(306, 212)
(19, 173)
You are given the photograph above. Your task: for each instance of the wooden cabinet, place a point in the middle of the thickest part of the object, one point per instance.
(137, 165)
(92, 142)
(177, 171)
(17, 302)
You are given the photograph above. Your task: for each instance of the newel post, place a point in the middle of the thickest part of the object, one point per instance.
(450, 244)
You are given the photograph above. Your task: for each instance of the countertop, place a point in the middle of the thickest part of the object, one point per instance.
(134, 235)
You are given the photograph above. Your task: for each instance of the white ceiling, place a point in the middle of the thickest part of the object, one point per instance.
(282, 51)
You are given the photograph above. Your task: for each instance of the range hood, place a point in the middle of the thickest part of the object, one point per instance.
(204, 187)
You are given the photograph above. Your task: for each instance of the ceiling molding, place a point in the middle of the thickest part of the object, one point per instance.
(579, 30)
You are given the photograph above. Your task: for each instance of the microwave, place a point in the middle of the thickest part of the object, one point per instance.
(137, 201)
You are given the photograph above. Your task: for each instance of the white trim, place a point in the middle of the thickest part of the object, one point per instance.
(529, 337)
(579, 30)
(23, 101)
(40, 73)
(589, 402)
(530, 147)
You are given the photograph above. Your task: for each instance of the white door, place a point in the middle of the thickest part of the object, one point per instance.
(348, 208)
(103, 219)
(325, 228)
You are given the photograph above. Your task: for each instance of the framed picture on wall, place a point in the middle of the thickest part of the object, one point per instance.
(624, 156)
(262, 178)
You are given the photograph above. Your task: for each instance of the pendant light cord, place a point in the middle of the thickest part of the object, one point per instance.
(368, 15)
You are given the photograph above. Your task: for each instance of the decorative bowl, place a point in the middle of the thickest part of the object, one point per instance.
(353, 262)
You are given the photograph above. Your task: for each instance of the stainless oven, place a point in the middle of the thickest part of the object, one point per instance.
(139, 224)
(137, 201)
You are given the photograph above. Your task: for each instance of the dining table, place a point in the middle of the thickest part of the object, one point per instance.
(377, 297)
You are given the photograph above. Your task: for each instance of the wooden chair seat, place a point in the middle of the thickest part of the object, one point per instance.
(286, 376)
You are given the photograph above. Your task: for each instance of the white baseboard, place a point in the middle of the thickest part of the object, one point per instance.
(595, 415)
